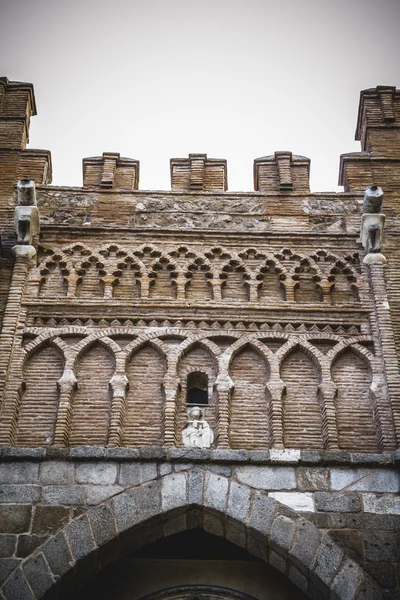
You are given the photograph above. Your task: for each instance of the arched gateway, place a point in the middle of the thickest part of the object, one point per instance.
(180, 501)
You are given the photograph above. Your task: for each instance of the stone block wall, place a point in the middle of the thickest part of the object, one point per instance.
(354, 498)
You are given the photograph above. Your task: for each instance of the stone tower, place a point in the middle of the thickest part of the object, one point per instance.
(200, 390)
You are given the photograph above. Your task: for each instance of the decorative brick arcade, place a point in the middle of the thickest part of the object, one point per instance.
(276, 311)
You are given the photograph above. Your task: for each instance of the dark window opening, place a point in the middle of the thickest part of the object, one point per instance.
(197, 388)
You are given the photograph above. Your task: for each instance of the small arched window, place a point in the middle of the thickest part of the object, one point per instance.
(197, 388)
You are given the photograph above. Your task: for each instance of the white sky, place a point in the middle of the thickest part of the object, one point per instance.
(237, 79)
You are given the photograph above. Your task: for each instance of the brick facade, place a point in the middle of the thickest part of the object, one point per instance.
(264, 297)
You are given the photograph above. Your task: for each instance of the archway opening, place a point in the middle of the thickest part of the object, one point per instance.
(189, 565)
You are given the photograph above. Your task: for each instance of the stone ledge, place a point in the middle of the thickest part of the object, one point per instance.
(199, 455)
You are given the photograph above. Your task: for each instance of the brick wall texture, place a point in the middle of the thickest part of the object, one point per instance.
(126, 294)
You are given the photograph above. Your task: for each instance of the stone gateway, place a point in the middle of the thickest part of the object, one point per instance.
(200, 389)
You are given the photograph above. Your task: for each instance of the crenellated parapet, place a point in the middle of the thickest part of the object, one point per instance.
(110, 171)
(198, 173)
(282, 172)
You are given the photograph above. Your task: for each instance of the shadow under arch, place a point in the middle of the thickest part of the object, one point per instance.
(194, 498)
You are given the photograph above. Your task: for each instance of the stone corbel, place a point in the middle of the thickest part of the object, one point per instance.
(26, 214)
(372, 223)
(119, 385)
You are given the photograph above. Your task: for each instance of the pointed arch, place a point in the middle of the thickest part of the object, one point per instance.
(91, 402)
(234, 276)
(90, 284)
(145, 398)
(356, 417)
(53, 282)
(344, 283)
(198, 286)
(163, 274)
(250, 403)
(210, 498)
(301, 404)
(199, 359)
(270, 276)
(127, 279)
(38, 403)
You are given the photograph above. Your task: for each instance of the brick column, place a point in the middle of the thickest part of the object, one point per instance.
(13, 318)
(119, 384)
(224, 385)
(276, 389)
(66, 386)
(385, 336)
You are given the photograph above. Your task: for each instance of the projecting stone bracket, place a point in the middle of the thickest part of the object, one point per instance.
(26, 214)
(372, 223)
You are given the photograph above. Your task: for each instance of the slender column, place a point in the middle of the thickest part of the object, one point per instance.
(217, 294)
(24, 260)
(326, 291)
(66, 386)
(388, 348)
(181, 282)
(171, 393)
(119, 385)
(224, 385)
(145, 286)
(276, 388)
(72, 281)
(290, 285)
(253, 290)
(108, 286)
(329, 423)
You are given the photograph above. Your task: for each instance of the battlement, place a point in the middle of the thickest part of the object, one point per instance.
(282, 172)
(110, 171)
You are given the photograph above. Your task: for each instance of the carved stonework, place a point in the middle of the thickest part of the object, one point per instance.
(198, 433)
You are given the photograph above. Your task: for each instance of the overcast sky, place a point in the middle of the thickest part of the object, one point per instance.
(237, 79)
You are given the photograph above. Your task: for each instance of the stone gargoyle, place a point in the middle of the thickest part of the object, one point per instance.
(26, 214)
